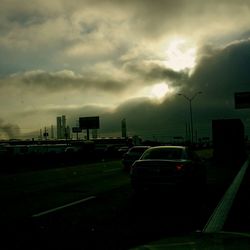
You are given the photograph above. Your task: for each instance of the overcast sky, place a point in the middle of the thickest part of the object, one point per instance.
(122, 59)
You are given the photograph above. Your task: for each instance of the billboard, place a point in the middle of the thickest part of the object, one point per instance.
(92, 122)
(242, 100)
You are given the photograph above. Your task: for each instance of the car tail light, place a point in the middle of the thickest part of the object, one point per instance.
(180, 166)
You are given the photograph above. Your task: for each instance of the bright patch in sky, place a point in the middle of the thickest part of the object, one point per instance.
(159, 90)
(180, 55)
(156, 92)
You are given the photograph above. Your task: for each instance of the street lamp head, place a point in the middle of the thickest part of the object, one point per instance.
(180, 94)
(190, 98)
(190, 107)
(199, 92)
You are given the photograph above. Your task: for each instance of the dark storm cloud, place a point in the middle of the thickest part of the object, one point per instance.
(132, 37)
(25, 18)
(154, 19)
(222, 72)
(147, 119)
(154, 72)
(219, 73)
(63, 81)
(135, 74)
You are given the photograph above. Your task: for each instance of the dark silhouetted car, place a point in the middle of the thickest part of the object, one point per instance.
(122, 150)
(133, 154)
(167, 167)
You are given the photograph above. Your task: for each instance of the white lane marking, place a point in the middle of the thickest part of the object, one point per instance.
(64, 206)
(218, 218)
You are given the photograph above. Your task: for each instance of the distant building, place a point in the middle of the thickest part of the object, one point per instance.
(63, 127)
(52, 132)
(59, 127)
(63, 131)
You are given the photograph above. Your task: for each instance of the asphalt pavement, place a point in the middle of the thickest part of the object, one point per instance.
(124, 219)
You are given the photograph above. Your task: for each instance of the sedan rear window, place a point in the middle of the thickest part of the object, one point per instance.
(137, 150)
(163, 153)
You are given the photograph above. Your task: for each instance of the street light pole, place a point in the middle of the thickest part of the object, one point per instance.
(191, 112)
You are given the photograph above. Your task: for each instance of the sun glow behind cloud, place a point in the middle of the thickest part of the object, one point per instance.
(180, 55)
(157, 92)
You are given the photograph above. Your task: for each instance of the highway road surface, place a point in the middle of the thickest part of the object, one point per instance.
(92, 206)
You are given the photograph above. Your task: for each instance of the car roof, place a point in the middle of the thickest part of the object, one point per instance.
(170, 146)
(139, 147)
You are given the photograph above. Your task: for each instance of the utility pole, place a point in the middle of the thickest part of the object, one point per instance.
(52, 132)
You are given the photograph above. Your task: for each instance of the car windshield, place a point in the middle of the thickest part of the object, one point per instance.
(163, 153)
(138, 150)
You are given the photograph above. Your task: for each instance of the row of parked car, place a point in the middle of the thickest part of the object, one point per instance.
(164, 167)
